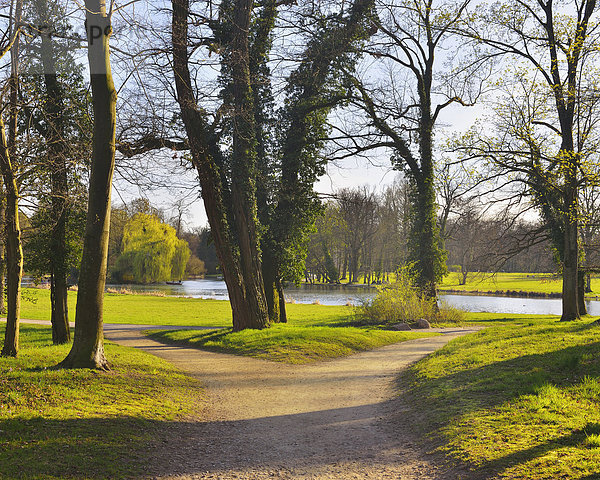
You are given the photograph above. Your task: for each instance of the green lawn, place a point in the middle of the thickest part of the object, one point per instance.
(288, 343)
(57, 424)
(150, 310)
(519, 400)
(510, 282)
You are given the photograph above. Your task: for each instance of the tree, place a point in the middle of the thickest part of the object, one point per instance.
(313, 90)
(8, 148)
(358, 209)
(54, 119)
(38, 250)
(402, 112)
(202, 246)
(229, 178)
(195, 267)
(151, 252)
(471, 241)
(391, 239)
(231, 208)
(590, 230)
(88, 345)
(360, 232)
(326, 250)
(543, 142)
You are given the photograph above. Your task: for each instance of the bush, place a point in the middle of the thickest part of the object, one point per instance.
(401, 302)
(449, 314)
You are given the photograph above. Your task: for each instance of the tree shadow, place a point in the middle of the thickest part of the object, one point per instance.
(97, 448)
(491, 385)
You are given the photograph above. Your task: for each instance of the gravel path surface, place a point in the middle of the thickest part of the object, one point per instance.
(265, 420)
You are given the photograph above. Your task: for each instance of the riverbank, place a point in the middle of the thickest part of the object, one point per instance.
(515, 285)
(512, 285)
(523, 285)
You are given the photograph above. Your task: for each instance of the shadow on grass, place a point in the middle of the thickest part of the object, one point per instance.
(576, 438)
(196, 341)
(491, 385)
(75, 448)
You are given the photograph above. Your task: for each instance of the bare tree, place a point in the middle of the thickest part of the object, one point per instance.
(358, 209)
(403, 107)
(541, 141)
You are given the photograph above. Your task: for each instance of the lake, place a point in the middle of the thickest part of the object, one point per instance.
(342, 295)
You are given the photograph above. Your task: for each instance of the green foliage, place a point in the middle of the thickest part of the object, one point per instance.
(151, 251)
(313, 90)
(425, 247)
(401, 302)
(195, 267)
(37, 248)
(76, 99)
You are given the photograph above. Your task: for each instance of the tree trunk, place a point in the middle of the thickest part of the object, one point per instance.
(61, 332)
(55, 139)
(248, 310)
(269, 272)
(463, 276)
(88, 346)
(581, 293)
(588, 283)
(570, 290)
(14, 252)
(570, 303)
(2, 249)
(282, 308)
(8, 149)
(244, 170)
(424, 245)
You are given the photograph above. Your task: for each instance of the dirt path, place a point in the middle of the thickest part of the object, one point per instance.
(267, 420)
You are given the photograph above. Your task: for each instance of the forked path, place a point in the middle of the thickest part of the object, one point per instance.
(271, 420)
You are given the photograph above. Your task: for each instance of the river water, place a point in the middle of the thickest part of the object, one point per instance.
(342, 295)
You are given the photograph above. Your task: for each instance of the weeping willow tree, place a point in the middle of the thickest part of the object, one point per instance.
(151, 251)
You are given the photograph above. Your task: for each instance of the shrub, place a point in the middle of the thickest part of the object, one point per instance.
(401, 302)
(449, 314)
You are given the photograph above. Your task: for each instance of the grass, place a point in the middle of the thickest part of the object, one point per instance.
(149, 310)
(288, 343)
(543, 283)
(519, 400)
(57, 424)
